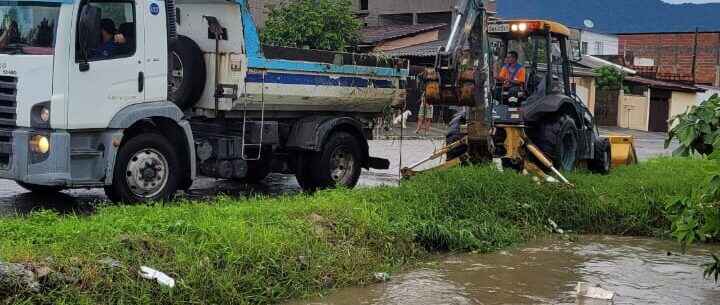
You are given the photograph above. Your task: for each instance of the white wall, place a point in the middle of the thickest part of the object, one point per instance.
(600, 44)
(703, 96)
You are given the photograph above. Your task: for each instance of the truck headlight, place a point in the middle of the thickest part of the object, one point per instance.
(40, 144)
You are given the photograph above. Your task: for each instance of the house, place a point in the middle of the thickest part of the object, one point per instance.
(649, 104)
(671, 55)
(709, 92)
(384, 12)
(394, 12)
(598, 44)
(641, 103)
(381, 39)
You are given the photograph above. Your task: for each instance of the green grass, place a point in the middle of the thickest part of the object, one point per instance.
(265, 250)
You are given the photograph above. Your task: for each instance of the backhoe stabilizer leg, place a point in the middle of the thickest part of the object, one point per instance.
(437, 154)
(535, 151)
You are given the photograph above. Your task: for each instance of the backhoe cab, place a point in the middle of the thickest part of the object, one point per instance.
(532, 68)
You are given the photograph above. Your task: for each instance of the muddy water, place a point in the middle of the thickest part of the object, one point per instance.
(640, 271)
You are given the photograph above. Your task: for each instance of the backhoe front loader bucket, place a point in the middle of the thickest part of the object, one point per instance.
(623, 151)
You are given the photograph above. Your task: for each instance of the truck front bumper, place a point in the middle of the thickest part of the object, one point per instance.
(73, 159)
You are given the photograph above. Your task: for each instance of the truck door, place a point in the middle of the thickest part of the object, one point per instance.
(113, 77)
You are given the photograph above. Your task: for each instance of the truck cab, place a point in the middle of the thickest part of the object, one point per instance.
(142, 96)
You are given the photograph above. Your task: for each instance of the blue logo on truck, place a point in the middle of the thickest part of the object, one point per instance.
(154, 9)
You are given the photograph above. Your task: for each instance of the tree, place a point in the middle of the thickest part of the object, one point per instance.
(313, 24)
(697, 218)
(608, 78)
(697, 130)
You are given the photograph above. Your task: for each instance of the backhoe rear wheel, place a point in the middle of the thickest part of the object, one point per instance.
(603, 158)
(557, 137)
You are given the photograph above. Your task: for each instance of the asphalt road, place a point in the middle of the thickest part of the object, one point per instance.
(15, 200)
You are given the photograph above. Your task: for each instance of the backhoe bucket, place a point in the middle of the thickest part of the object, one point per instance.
(623, 150)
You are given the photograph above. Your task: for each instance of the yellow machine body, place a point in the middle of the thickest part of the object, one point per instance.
(622, 148)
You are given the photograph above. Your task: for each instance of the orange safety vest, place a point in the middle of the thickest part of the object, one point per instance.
(517, 74)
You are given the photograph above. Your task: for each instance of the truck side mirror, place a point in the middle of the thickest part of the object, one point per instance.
(88, 34)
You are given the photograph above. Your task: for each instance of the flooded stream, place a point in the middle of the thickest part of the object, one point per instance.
(639, 271)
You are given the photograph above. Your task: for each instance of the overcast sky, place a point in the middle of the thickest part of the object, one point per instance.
(692, 1)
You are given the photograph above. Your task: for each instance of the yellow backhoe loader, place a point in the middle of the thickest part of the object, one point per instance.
(523, 111)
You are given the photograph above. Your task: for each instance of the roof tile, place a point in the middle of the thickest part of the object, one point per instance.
(375, 34)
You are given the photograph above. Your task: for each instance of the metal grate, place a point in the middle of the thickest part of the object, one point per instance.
(8, 116)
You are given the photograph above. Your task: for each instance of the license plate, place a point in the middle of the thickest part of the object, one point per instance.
(499, 28)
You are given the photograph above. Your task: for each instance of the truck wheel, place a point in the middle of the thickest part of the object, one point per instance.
(146, 170)
(39, 189)
(187, 75)
(558, 138)
(603, 158)
(302, 172)
(338, 164)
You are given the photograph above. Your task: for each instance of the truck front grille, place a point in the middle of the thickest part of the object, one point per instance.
(8, 118)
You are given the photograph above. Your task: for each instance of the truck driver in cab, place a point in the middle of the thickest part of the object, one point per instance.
(111, 40)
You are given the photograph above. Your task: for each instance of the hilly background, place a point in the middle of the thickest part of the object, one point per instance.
(618, 16)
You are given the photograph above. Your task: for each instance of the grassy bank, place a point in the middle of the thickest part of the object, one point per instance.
(262, 250)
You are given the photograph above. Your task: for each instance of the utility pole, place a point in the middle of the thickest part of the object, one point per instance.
(695, 51)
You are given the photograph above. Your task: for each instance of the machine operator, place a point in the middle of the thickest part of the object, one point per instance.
(512, 73)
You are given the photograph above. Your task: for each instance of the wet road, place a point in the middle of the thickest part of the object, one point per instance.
(14, 199)
(640, 271)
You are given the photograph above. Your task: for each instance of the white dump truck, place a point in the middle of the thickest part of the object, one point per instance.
(142, 96)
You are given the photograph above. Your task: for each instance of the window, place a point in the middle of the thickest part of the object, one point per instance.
(364, 5)
(28, 27)
(599, 48)
(584, 49)
(557, 67)
(116, 29)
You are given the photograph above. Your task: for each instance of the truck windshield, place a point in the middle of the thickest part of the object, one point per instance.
(28, 27)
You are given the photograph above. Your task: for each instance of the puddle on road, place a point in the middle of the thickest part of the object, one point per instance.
(638, 270)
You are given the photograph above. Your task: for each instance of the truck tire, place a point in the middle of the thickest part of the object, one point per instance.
(186, 81)
(302, 172)
(39, 189)
(557, 137)
(603, 158)
(145, 170)
(337, 164)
